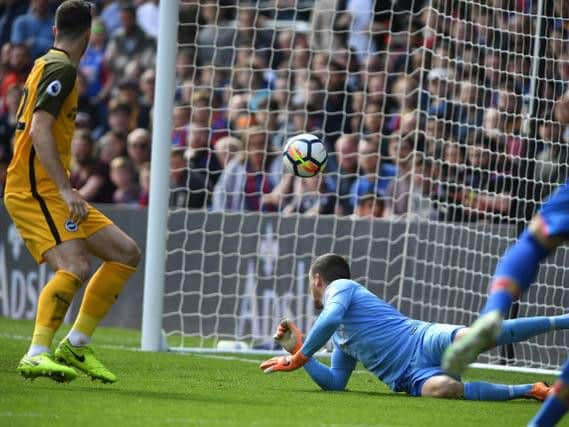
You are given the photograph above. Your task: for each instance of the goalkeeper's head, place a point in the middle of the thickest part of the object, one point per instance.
(323, 271)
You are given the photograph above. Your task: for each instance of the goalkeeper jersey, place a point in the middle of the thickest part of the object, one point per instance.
(368, 329)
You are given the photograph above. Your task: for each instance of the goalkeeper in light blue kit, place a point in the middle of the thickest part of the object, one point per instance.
(514, 274)
(402, 352)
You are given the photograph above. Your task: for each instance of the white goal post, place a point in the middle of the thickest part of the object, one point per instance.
(437, 115)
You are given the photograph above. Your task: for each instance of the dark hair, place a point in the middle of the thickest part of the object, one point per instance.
(331, 267)
(73, 18)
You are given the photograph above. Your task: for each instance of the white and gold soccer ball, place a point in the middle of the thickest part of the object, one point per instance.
(304, 155)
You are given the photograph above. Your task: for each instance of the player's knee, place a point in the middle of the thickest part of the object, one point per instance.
(133, 254)
(79, 266)
(443, 388)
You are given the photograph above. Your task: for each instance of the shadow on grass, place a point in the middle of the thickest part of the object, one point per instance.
(223, 399)
(348, 392)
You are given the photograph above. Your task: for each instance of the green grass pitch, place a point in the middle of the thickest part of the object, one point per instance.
(169, 389)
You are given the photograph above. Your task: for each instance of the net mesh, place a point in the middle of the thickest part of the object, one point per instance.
(438, 117)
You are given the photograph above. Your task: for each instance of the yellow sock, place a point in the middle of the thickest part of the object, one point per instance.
(53, 303)
(101, 293)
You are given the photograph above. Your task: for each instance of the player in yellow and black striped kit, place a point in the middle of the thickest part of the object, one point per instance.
(56, 224)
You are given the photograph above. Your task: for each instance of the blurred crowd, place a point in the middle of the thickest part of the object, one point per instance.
(443, 112)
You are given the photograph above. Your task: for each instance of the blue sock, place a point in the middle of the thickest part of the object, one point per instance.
(519, 264)
(488, 391)
(553, 408)
(517, 330)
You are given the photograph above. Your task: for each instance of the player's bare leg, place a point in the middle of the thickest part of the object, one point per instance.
(70, 262)
(446, 387)
(516, 271)
(121, 256)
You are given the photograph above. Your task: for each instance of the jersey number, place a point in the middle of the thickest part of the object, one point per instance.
(22, 125)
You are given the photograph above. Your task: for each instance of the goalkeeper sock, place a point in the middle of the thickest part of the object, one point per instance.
(101, 293)
(488, 391)
(515, 272)
(53, 303)
(517, 330)
(556, 404)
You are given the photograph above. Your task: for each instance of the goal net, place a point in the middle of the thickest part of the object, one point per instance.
(439, 124)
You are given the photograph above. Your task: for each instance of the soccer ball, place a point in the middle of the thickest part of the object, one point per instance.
(304, 155)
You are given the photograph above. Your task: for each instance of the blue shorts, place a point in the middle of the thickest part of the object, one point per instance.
(555, 212)
(426, 362)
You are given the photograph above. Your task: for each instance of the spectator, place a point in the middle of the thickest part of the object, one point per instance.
(369, 205)
(338, 104)
(138, 148)
(250, 31)
(8, 121)
(283, 49)
(375, 175)
(216, 39)
(376, 89)
(205, 115)
(87, 116)
(311, 197)
(144, 183)
(405, 94)
(267, 116)
(226, 149)
(123, 177)
(356, 119)
(247, 177)
(188, 188)
(119, 119)
(146, 101)
(325, 13)
(488, 193)
(18, 68)
(147, 17)
(185, 67)
(89, 175)
(346, 150)
(99, 81)
(200, 155)
(237, 113)
(470, 110)
(113, 145)
(181, 116)
(129, 43)
(399, 190)
(440, 93)
(374, 127)
(35, 28)
(552, 162)
(9, 11)
(111, 16)
(360, 40)
(127, 93)
(5, 53)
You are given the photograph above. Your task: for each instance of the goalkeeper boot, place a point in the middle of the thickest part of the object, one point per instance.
(83, 358)
(43, 365)
(539, 391)
(481, 337)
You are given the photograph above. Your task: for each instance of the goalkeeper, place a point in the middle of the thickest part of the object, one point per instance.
(402, 352)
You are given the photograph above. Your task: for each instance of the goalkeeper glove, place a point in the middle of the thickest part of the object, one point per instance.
(288, 336)
(284, 363)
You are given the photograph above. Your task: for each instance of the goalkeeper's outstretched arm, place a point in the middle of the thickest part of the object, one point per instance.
(334, 377)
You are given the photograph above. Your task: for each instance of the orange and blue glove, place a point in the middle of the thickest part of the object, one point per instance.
(284, 363)
(288, 336)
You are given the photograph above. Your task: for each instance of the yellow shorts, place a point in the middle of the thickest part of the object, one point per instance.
(44, 222)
